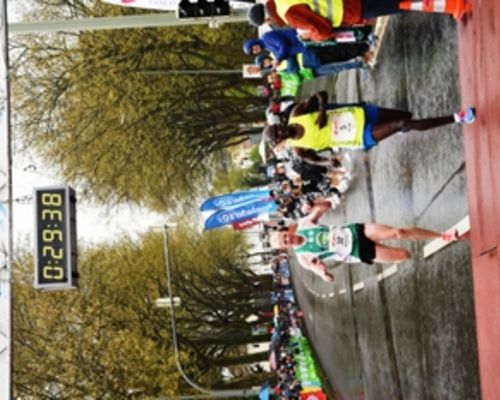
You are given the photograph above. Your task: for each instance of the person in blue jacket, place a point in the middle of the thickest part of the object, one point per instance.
(284, 43)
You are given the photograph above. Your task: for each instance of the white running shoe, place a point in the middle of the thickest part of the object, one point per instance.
(465, 117)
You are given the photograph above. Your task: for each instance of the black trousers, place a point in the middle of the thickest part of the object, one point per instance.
(378, 8)
(330, 51)
(341, 52)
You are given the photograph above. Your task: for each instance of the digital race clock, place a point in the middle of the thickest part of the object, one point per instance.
(55, 238)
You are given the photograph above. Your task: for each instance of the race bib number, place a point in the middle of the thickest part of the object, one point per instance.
(343, 126)
(341, 241)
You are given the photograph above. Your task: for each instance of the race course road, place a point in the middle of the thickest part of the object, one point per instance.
(406, 331)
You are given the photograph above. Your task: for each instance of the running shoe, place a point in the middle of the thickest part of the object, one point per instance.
(363, 73)
(467, 116)
(369, 59)
(372, 40)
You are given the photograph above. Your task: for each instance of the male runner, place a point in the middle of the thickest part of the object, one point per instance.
(316, 243)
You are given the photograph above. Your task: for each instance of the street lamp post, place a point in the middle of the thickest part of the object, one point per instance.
(207, 393)
(166, 255)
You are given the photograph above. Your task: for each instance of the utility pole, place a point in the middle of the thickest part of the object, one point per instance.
(6, 230)
(190, 71)
(122, 22)
(207, 393)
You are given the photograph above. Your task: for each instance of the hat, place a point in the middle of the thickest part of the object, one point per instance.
(256, 14)
(247, 45)
(260, 58)
(272, 118)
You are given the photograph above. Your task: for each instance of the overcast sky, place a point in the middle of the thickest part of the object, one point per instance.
(94, 223)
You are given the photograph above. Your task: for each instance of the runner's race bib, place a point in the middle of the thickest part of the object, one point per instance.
(341, 241)
(344, 127)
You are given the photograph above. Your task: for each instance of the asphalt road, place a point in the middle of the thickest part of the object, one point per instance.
(382, 332)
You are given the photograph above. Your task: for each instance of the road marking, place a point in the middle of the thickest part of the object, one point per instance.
(379, 32)
(386, 273)
(434, 246)
(390, 271)
(316, 294)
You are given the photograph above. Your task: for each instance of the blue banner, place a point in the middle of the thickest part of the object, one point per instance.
(224, 217)
(231, 200)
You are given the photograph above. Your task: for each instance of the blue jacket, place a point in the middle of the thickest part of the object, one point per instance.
(283, 43)
(309, 60)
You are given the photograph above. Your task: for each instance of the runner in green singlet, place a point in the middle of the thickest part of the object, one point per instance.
(315, 243)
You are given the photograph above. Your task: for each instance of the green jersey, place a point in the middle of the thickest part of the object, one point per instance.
(339, 243)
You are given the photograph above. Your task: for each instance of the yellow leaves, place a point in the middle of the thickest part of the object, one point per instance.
(106, 336)
(110, 109)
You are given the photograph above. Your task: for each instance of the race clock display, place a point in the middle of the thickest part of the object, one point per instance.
(55, 238)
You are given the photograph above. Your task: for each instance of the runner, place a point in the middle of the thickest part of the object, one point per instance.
(315, 243)
(315, 125)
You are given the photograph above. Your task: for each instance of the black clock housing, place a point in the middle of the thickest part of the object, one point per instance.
(55, 238)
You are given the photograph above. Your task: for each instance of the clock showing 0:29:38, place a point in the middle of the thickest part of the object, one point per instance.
(55, 238)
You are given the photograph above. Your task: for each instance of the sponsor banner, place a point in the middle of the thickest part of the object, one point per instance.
(251, 71)
(170, 5)
(235, 199)
(305, 367)
(226, 217)
(240, 226)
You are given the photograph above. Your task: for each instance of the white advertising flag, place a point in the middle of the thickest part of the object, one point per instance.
(169, 5)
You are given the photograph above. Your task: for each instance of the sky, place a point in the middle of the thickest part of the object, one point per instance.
(94, 223)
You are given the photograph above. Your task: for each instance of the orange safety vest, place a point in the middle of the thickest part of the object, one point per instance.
(333, 10)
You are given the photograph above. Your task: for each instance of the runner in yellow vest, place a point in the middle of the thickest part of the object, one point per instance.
(316, 125)
(344, 129)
